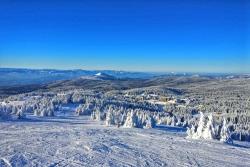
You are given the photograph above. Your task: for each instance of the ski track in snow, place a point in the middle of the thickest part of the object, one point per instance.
(79, 141)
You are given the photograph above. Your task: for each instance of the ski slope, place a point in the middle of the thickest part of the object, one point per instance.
(78, 141)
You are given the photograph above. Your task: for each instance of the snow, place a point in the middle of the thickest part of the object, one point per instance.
(79, 141)
(98, 74)
(157, 102)
(14, 103)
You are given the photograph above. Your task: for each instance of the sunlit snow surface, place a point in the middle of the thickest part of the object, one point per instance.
(69, 140)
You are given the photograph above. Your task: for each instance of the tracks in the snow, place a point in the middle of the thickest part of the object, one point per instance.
(78, 141)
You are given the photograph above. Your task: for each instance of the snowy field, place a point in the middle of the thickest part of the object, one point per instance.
(78, 141)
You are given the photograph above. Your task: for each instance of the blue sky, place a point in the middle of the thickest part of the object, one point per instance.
(134, 35)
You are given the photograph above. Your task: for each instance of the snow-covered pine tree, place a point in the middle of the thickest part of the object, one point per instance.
(191, 132)
(174, 121)
(201, 127)
(110, 118)
(20, 113)
(209, 131)
(150, 122)
(225, 135)
(131, 120)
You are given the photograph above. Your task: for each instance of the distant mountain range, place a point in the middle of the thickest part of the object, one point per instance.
(14, 76)
(18, 76)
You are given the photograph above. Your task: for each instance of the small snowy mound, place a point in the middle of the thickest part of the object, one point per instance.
(208, 130)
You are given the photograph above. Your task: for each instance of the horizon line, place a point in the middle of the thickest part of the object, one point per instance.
(132, 71)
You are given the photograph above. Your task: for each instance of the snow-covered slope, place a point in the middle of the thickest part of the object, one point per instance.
(78, 141)
(104, 76)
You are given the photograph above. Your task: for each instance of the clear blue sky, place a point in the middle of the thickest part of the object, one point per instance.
(135, 35)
